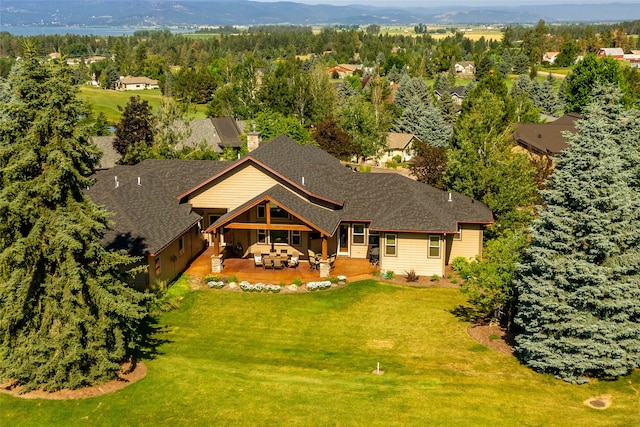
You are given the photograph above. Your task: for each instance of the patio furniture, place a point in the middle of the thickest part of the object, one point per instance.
(314, 263)
(257, 261)
(293, 262)
(374, 255)
(268, 262)
(310, 253)
(283, 252)
(277, 263)
(332, 260)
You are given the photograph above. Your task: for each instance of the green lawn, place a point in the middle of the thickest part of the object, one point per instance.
(107, 101)
(306, 359)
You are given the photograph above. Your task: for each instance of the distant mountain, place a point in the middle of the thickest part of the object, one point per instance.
(244, 12)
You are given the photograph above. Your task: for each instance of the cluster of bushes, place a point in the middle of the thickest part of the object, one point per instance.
(314, 286)
(259, 287)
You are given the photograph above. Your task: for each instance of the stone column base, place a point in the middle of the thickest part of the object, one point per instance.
(216, 264)
(325, 268)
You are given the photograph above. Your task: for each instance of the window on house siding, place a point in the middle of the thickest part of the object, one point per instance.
(158, 266)
(262, 236)
(277, 211)
(279, 237)
(374, 238)
(358, 234)
(391, 244)
(296, 238)
(434, 246)
(261, 212)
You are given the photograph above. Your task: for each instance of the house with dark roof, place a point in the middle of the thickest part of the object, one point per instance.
(283, 195)
(457, 94)
(546, 138)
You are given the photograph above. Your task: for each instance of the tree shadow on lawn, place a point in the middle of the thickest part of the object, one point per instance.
(152, 336)
(465, 313)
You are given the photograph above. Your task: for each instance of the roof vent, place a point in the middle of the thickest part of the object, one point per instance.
(539, 135)
(139, 181)
(450, 199)
(116, 179)
(303, 181)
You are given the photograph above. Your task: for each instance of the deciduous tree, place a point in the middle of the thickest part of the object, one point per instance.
(134, 132)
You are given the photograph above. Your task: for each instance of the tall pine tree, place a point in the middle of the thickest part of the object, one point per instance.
(579, 304)
(67, 319)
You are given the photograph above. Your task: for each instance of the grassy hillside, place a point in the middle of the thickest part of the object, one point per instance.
(108, 101)
(306, 359)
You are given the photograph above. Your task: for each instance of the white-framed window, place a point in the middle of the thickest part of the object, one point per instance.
(213, 218)
(434, 246)
(181, 245)
(358, 234)
(296, 238)
(458, 235)
(262, 236)
(391, 244)
(158, 266)
(277, 212)
(261, 212)
(279, 237)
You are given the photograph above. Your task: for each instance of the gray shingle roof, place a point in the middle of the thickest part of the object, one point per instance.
(110, 156)
(147, 217)
(546, 138)
(228, 131)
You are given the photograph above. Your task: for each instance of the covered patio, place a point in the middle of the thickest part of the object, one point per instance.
(244, 269)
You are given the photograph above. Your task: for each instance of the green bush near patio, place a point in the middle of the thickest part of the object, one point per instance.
(231, 358)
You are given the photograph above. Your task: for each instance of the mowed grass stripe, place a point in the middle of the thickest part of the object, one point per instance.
(306, 359)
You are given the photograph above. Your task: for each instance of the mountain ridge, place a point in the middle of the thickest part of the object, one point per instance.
(246, 12)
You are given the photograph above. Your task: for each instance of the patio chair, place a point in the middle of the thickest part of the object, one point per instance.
(313, 263)
(277, 263)
(311, 254)
(332, 260)
(267, 262)
(257, 261)
(293, 262)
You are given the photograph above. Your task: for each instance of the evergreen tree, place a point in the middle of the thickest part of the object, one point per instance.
(444, 81)
(579, 285)
(134, 133)
(545, 97)
(67, 319)
(447, 108)
(410, 88)
(424, 121)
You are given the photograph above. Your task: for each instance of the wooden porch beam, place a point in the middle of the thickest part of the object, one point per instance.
(324, 247)
(254, 226)
(216, 243)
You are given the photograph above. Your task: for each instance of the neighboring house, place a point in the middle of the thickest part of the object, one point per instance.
(614, 52)
(457, 93)
(217, 133)
(546, 138)
(550, 57)
(465, 67)
(398, 144)
(136, 83)
(342, 70)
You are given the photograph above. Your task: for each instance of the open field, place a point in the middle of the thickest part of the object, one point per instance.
(230, 358)
(108, 101)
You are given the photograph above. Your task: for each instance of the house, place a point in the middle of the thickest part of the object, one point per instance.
(342, 70)
(457, 94)
(546, 138)
(465, 67)
(216, 132)
(287, 196)
(550, 57)
(148, 220)
(614, 52)
(398, 144)
(136, 83)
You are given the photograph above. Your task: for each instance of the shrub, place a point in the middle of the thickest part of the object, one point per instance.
(391, 165)
(313, 286)
(376, 273)
(494, 337)
(365, 168)
(297, 281)
(462, 266)
(334, 280)
(435, 278)
(272, 288)
(397, 158)
(389, 274)
(232, 279)
(217, 284)
(411, 276)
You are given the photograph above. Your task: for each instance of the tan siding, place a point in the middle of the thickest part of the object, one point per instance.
(412, 252)
(470, 246)
(244, 184)
(172, 262)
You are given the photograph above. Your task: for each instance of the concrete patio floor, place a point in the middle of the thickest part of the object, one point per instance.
(243, 269)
